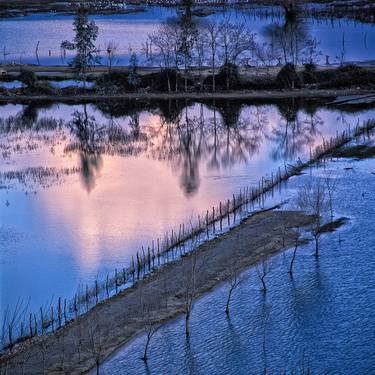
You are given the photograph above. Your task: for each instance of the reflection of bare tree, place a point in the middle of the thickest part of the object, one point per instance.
(89, 137)
(216, 136)
(196, 138)
(296, 133)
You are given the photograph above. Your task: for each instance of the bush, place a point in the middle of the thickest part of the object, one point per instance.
(347, 76)
(227, 78)
(288, 78)
(44, 88)
(28, 78)
(159, 81)
(114, 82)
(309, 75)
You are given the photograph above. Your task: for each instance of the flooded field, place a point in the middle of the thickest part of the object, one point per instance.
(83, 187)
(339, 39)
(318, 321)
(104, 170)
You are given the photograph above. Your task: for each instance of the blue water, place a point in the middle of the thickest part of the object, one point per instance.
(341, 40)
(322, 319)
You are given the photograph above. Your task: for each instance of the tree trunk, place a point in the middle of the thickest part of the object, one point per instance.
(263, 283)
(316, 246)
(169, 82)
(293, 258)
(228, 301)
(146, 349)
(213, 75)
(187, 324)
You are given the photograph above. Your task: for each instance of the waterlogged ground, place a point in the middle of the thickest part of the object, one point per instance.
(78, 201)
(321, 319)
(341, 40)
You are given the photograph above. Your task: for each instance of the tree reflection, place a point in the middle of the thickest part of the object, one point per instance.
(294, 133)
(89, 136)
(193, 138)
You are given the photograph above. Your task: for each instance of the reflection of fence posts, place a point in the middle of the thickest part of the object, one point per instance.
(90, 297)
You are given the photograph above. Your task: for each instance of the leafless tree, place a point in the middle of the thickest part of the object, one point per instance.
(235, 42)
(331, 185)
(297, 238)
(211, 34)
(164, 50)
(200, 50)
(263, 267)
(95, 336)
(190, 289)
(235, 279)
(313, 199)
(111, 48)
(152, 324)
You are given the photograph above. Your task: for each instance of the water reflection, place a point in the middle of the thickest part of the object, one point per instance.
(89, 137)
(148, 167)
(214, 136)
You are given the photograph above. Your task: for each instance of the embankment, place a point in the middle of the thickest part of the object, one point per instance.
(77, 347)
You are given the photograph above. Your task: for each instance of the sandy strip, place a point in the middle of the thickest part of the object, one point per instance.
(259, 94)
(158, 298)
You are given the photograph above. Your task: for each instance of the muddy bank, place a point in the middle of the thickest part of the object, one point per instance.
(261, 94)
(76, 347)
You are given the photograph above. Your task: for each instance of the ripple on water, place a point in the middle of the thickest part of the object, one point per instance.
(324, 316)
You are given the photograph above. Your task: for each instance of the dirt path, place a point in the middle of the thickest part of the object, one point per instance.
(114, 322)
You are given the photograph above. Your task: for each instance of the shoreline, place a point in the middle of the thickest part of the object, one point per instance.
(259, 94)
(260, 236)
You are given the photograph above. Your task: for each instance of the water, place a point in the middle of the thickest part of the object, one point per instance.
(322, 319)
(11, 85)
(341, 40)
(76, 204)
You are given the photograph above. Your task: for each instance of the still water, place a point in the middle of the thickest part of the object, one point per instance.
(321, 320)
(341, 39)
(78, 200)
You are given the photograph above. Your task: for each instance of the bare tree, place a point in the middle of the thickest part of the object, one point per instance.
(95, 336)
(331, 185)
(152, 324)
(190, 290)
(211, 33)
(263, 267)
(236, 42)
(111, 48)
(297, 237)
(235, 280)
(313, 199)
(164, 50)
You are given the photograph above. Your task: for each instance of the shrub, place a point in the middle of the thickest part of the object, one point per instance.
(288, 78)
(44, 88)
(309, 74)
(159, 81)
(28, 78)
(229, 77)
(347, 76)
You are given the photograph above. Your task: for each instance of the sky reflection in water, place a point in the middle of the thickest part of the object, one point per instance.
(123, 181)
(321, 319)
